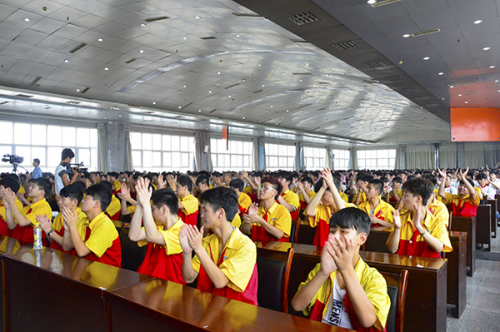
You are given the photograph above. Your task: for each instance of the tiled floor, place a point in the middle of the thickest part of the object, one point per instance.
(483, 295)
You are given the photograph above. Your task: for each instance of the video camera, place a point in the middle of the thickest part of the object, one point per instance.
(77, 168)
(13, 159)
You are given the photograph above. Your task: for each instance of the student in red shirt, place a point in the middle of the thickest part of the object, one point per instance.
(188, 204)
(13, 185)
(466, 202)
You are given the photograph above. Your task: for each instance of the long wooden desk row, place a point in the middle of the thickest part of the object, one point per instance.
(50, 288)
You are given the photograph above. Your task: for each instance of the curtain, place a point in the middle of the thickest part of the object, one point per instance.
(474, 155)
(102, 148)
(255, 155)
(262, 155)
(197, 152)
(397, 164)
(489, 154)
(448, 156)
(128, 164)
(420, 157)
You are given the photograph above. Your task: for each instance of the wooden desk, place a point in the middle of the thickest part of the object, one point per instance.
(160, 305)
(377, 239)
(468, 225)
(457, 269)
(493, 204)
(483, 225)
(51, 286)
(425, 306)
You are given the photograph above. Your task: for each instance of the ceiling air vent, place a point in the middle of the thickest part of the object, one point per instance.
(383, 3)
(154, 19)
(131, 60)
(422, 98)
(246, 15)
(257, 91)
(301, 73)
(114, 108)
(305, 105)
(72, 102)
(323, 82)
(394, 78)
(232, 86)
(426, 32)
(304, 18)
(374, 64)
(346, 45)
(148, 112)
(431, 105)
(35, 81)
(85, 90)
(413, 89)
(23, 96)
(79, 47)
(207, 38)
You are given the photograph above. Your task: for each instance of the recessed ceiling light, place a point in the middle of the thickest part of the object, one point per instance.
(70, 114)
(199, 111)
(282, 73)
(307, 64)
(180, 107)
(238, 36)
(105, 118)
(492, 67)
(185, 38)
(478, 22)
(487, 48)
(263, 85)
(302, 113)
(406, 35)
(441, 73)
(288, 110)
(466, 102)
(243, 118)
(451, 86)
(77, 90)
(99, 40)
(106, 68)
(141, 51)
(496, 81)
(154, 102)
(460, 95)
(197, 17)
(426, 58)
(143, 24)
(218, 73)
(66, 60)
(229, 97)
(26, 19)
(371, 2)
(328, 75)
(209, 91)
(120, 115)
(300, 80)
(259, 65)
(272, 106)
(184, 86)
(244, 80)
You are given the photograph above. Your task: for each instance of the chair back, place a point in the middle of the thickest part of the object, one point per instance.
(450, 218)
(274, 273)
(396, 289)
(132, 254)
(305, 234)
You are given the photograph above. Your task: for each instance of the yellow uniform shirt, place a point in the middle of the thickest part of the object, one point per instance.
(236, 223)
(382, 211)
(439, 210)
(324, 213)
(117, 185)
(19, 205)
(131, 209)
(362, 199)
(248, 190)
(392, 198)
(103, 233)
(244, 202)
(277, 216)
(291, 198)
(344, 197)
(240, 256)
(311, 195)
(114, 207)
(479, 192)
(455, 199)
(190, 204)
(372, 282)
(170, 235)
(40, 208)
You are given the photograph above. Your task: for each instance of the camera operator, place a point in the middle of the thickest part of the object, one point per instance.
(37, 172)
(64, 174)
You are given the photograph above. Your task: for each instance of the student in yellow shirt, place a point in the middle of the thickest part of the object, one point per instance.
(343, 290)
(288, 198)
(188, 204)
(394, 196)
(379, 211)
(305, 191)
(226, 261)
(203, 184)
(361, 181)
(24, 220)
(113, 178)
(244, 201)
(13, 185)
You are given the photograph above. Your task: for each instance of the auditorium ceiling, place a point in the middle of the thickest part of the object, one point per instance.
(202, 64)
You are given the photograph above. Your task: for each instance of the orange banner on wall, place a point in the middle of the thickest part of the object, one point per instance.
(475, 124)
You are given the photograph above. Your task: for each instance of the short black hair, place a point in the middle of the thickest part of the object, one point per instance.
(336, 182)
(166, 197)
(43, 184)
(351, 218)
(184, 181)
(481, 176)
(307, 179)
(365, 178)
(81, 185)
(469, 180)
(237, 184)
(203, 179)
(114, 174)
(275, 183)
(286, 175)
(431, 178)
(11, 183)
(101, 193)
(36, 160)
(222, 197)
(73, 191)
(378, 185)
(397, 179)
(419, 187)
(107, 184)
(67, 153)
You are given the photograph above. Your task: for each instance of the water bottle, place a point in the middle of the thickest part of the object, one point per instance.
(37, 237)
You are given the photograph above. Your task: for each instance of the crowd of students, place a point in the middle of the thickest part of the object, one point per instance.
(206, 226)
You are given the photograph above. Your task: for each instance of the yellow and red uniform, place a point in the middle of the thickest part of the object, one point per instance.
(25, 234)
(277, 216)
(373, 284)
(58, 228)
(293, 199)
(411, 243)
(392, 198)
(303, 203)
(248, 190)
(189, 214)
(236, 223)
(362, 199)
(344, 197)
(4, 229)
(465, 207)
(382, 211)
(244, 202)
(164, 262)
(439, 210)
(104, 242)
(321, 220)
(238, 262)
(117, 187)
(113, 211)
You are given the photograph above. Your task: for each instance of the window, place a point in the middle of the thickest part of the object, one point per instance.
(377, 159)
(237, 157)
(280, 157)
(46, 142)
(341, 159)
(314, 158)
(158, 153)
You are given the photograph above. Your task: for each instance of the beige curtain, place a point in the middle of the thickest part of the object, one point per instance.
(102, 148)
(420, 157)
(128, 164)
(448, 156)
(474, 155)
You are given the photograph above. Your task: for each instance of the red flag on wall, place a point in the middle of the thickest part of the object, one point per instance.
(225, 135)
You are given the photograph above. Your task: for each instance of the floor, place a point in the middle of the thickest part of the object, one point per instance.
(483, 294)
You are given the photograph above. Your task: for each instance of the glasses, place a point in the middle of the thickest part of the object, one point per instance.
(154, 208)
(267, 188)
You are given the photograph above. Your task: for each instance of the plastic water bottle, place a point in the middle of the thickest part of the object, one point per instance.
(37, 237)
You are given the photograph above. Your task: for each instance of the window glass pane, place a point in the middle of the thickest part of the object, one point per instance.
(83, 155)
(53, 156)
(93, 160)
(39, 134)
(6, 137)
(185, 159)
(175, 143)
(361, 154)
(5, 149)
(83, 137)
(157, 142)
(392, 153)
(214, 160)
(227, 161)
(361, 163)
(167, 143)
(147, 142)
(137, 158)
(69, 136)
(246, 162)
(54, 136)
(22, 133)
(213, 145)
(184, 143)
(25, 152)
(176, 158)
(383, 154)
(156, 159)
(93, 138)
(147, 159)
(167, 159)
(136, 141)
(39, 152)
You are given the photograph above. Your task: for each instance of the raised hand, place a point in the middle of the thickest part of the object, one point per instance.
(397, 219)
(184, 240)
(442, 173)
(172, 181)
(327, 262)
(69, 217)
(300, 185)
(195, 237)
(45, 223)
(257, 180)
(343, 252)
(253, 209)
(143, 191)
(417, 217)
(9, 196)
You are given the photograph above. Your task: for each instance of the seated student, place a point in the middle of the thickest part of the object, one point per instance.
(203, 184)
(226, 261)
(488, 191)
(253, 182)
(270, 221)
(380, 212)
(361, 181)
(288, 198)
(306, 193)
(113, 178)
(188, 204)
(13, 185)
(323, 206)
(71, 196)
(163, 257)
(114, 207)
(128, 204)
(38, 190)
(417, 232)
(244, 201)
(447, 182)
(465, 203)
(343, 290)
(395, 194)
(103, 244)
(438, 208)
